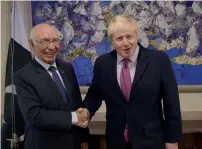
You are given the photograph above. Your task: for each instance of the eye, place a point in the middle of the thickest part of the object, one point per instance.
(119, 38)
(56, 41)
(45, 41)
(129, 36)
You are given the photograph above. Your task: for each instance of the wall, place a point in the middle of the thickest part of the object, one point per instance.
(5, 36)
(189, 101)
(191, 106)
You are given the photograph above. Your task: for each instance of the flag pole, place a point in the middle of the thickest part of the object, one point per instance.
(14, 137)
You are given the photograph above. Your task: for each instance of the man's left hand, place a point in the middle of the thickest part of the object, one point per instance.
(171, 145)
(83, 117)
(84, 146)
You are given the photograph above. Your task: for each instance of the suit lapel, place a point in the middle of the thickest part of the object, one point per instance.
(112, 71)
(142, 63)
(44, 76)
(66, 81)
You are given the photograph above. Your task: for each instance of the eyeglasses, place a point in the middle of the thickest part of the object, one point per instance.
(47, 42)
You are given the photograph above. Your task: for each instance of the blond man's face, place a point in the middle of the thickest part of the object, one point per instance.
(124, 40)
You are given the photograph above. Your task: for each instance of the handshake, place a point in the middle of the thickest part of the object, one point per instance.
(83, 117)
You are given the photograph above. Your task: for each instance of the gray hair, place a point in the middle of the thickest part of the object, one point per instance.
(60, 36)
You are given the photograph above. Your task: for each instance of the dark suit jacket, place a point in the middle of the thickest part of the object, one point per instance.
(48, 119)
(154, 79)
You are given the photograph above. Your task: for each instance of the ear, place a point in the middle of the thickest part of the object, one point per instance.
(31, 48)
(31, 43)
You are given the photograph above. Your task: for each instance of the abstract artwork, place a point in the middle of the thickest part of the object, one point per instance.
(174, 27)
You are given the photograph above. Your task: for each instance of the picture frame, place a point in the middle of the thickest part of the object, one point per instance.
(186, 62)
(181, 89)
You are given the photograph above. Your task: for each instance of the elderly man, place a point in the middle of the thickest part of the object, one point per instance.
(133, 80)
(49, 96)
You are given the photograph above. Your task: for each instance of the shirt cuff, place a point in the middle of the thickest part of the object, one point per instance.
(74, 118)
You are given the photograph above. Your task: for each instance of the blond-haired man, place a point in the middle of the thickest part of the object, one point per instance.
(49, 96)
(133, 81)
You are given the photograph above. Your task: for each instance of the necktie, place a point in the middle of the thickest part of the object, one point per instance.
(125, 83)
(58, 82)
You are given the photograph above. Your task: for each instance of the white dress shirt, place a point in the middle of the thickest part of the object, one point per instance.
(131, 65)
(46, 66)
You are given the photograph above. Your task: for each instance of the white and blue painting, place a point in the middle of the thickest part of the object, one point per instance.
(174, 27)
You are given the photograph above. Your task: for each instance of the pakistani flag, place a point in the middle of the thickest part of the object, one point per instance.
(12, 133)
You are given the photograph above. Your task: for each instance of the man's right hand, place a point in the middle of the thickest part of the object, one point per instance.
(83, 117)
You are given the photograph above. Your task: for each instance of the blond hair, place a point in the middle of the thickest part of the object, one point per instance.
(119, 21)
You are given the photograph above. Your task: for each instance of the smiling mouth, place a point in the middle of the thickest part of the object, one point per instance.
(127, 49)
(50, 54)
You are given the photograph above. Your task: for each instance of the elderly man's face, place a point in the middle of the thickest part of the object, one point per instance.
(124, 41)
(46, 43)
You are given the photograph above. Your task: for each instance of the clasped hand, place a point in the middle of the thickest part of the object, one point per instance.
(83, 117)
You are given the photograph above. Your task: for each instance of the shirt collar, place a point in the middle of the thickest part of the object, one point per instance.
(133, 58)
(45, 65)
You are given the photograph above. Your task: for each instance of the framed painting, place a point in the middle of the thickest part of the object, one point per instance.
(174, 27)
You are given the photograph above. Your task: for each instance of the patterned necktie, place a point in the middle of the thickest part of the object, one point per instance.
(125, 83)
(58, 82)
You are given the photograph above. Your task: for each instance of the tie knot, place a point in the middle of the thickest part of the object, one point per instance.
(126, 61)
(52, 68)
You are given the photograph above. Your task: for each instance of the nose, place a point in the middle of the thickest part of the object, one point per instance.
(125, 42)
(51, 45)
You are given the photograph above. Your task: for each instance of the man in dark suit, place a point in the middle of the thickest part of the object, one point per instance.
(133, 80)
(49, 96)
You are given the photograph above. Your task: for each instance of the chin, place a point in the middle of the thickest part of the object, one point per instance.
(50, 61)
(126, 55)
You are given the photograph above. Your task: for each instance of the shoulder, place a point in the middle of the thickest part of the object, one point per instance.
(64, 64)
(25, 71)
(156, 55)
(24, 74)
(106, 58)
